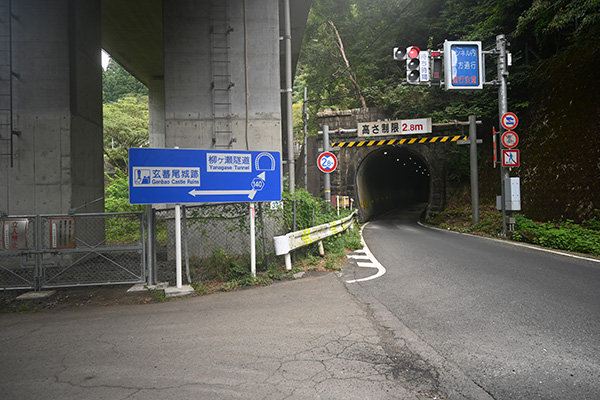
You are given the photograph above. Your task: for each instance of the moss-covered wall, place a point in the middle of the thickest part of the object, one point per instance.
(560, 138)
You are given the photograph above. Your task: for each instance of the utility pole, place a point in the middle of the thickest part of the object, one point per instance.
(507, 219)
(474, 169)
(305, 119)
(288, 92)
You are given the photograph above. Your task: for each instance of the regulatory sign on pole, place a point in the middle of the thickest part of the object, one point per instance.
(158, 176)
(510, 139)
(509, 121)
(510, 158)
(327, 162)
(463, 65)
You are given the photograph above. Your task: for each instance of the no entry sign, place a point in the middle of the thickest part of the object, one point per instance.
(327, 162)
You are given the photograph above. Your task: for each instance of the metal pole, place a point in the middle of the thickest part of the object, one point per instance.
(288, 92)
(474, 169)
(262, 224)
(252, 240)
(293, 226)
(178, 245)
(503, 109)
(327, 179)
(185, 245)
(150, 249)
(305, 118)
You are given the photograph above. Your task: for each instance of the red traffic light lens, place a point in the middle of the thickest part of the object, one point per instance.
(413, 52)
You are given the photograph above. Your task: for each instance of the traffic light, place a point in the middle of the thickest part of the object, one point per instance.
(399, 53)
(437, 68)
(413, 75)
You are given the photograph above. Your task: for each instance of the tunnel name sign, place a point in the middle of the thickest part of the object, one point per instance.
(399, 127)
(160, 176)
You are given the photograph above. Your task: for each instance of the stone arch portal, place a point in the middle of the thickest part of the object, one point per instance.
(390, 177)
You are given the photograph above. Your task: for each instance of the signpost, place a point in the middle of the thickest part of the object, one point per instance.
(158, 176)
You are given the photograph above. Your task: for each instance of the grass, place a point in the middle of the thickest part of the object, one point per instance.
(561, 235)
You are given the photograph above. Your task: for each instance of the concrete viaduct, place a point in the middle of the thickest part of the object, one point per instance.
(214, 69)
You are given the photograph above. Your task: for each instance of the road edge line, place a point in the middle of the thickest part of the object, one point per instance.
(518, 244)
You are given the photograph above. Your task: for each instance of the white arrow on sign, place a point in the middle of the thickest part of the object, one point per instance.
(258, 183)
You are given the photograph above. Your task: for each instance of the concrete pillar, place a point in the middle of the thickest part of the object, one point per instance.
(57, 107)
(190, 73)
(156, 126)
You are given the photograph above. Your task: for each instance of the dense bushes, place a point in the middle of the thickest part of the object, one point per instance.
(560, 235)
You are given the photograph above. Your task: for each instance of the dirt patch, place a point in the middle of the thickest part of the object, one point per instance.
(115, 295)
(74, 297)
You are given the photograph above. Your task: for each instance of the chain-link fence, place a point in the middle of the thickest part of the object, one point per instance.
(45, 251)
(216, 240)
(17, 265)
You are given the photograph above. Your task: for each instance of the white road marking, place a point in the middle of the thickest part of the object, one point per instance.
(372, 262)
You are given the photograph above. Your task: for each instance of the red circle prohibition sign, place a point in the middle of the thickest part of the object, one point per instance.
(510, 139)
(327, 162)
(509, 121)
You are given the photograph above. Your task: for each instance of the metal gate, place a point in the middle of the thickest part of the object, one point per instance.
(45, 251)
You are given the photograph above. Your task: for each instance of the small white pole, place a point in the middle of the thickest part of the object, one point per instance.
(288, 262)
(337, 200)
(252, 241)
(178, 245)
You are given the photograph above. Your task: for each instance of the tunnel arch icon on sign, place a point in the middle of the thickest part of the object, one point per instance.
(264, 162)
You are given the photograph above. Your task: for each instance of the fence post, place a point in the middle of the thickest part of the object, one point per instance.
(185, 245)
(39, 273)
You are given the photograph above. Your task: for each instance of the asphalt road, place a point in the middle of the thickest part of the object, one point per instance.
(519, 322)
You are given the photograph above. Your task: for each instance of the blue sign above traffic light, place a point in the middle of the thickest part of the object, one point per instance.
(463, 65)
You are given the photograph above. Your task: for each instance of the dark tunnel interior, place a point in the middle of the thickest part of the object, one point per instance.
(390, 178)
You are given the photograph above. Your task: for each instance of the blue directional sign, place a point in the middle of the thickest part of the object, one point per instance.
(463, 65)
(159, 176)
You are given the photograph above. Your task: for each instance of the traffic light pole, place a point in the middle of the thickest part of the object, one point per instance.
(507, 224)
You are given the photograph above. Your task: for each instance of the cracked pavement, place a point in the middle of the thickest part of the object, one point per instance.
(304, 339)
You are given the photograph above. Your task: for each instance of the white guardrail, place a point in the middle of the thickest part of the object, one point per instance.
(294, 240)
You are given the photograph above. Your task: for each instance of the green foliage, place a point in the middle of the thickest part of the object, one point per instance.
(594, 222)
(159, 295)
(560, 235)
(223, 267)
(307, 207)
(120, 229)
(116, 193)
(117, 83)
(557, 235)
(125, 126)
(551, 19)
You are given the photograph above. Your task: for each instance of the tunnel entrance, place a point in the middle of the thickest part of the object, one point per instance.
(389, 178)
